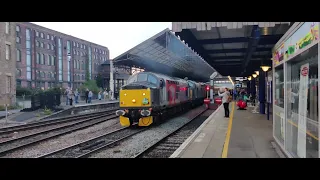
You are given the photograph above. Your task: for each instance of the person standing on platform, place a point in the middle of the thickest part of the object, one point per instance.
(225, 101)
(76, 96)
(87, 95)
(90, 94)
(99, 95)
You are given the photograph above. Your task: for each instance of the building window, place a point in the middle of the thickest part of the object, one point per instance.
(52, 60)
(37, 34)
(48, 46)
(74, 52)
(18, 83)
(8, 49)
(43, 59)
(18, 55)
(18, 40)
(52, 47)
(74, 44)
(42, 44)
(28, 53)
(49, 59)
(38, 58)
(37, 43)
(18, 28)
(8, 89)
(42, 74)
(84, 46)
(78, 65)
(7, 27)
(48, 36)
(77, 45)
(41, 35)
(52, 37)
(18, 73)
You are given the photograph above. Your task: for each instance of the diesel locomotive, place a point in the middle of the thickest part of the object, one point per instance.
(149, 97)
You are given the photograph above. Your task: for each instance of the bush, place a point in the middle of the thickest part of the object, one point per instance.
(91, 85)
(20, 91)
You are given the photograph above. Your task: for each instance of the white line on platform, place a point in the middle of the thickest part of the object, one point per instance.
(194, 134)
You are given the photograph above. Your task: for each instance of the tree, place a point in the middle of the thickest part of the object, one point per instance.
(99, 81)
(91, 85)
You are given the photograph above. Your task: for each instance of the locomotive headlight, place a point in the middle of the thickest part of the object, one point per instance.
(125, 94)
(133, 100)
(120, 112)
(145, 112)
(143, 94)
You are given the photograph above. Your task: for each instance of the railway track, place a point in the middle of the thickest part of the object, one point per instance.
(27, 140)
(86, 148)
(167, 145)
(4, 132)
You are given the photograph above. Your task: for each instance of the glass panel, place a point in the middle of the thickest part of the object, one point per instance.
(279, 118)
(279, 86)
(152, 79)
(302, 105)
(142, 77)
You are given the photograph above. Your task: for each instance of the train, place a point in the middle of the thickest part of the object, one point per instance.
(149, 98)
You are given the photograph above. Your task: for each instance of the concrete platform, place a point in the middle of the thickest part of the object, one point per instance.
(243, 135)
(81, 108)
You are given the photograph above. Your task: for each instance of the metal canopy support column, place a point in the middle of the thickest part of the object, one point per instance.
(248, 87)
(253, 87)
(262, 86)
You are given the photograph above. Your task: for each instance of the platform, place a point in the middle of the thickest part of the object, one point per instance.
(243, 135)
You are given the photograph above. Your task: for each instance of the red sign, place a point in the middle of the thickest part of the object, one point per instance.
(304, 71)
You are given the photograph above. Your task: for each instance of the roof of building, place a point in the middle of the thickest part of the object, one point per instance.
(232, 48)
(165, 53)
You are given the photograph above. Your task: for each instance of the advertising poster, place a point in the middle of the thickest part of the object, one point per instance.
(302, 121)
(305, 35)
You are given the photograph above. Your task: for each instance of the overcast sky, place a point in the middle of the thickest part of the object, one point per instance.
(117, 36)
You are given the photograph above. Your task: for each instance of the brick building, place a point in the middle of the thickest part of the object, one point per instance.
(46, 58)
(7, 63)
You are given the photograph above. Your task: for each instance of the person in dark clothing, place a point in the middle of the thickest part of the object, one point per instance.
(87, 95)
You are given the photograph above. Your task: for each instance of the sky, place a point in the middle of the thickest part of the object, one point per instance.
(117, 36)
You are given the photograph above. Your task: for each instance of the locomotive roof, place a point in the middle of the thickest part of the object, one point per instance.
(164, 76)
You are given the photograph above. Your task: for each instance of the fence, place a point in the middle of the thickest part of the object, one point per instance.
(42, 100)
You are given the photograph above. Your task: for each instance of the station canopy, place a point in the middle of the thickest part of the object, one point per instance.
(165, 53)
(233, 48)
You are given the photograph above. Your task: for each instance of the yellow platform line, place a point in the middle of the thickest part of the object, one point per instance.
(294, 124)
(226, 142)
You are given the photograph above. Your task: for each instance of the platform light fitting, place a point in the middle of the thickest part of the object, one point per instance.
(257, 72)
(254, 75)
(249, 78)
(265, 68)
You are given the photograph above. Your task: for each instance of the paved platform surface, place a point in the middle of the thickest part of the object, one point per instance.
(244, 135)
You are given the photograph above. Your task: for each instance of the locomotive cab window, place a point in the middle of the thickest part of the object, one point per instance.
(152, 79)
(132, 79)
(142, 77)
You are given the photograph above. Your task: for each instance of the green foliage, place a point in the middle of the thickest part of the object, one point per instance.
(91, 85)
(99, 81)
(47, 111)
(20, 91)
(3, 108)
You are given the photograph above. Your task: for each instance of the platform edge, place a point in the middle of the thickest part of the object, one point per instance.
(186, 143)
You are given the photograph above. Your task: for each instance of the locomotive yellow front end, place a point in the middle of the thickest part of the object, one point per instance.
(135, 107)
